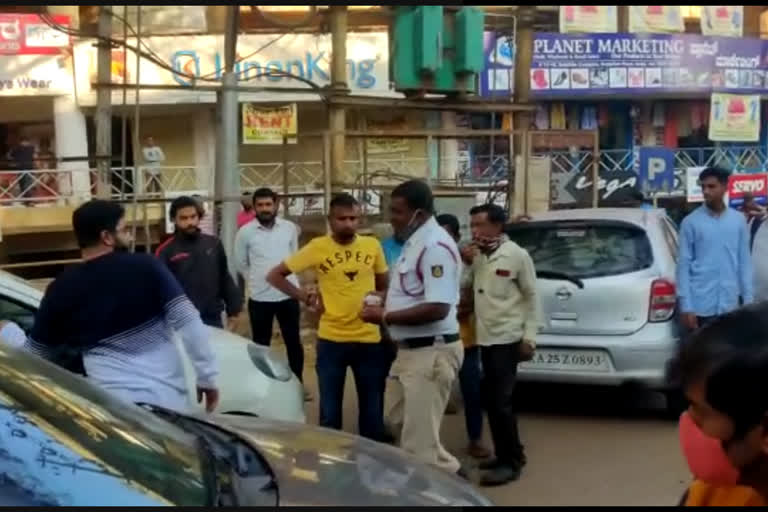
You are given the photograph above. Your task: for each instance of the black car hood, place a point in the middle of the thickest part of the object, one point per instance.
(318, 467)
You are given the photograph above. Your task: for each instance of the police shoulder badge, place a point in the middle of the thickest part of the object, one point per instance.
(437, 271)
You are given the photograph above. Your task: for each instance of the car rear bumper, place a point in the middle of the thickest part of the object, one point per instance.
(641, 358)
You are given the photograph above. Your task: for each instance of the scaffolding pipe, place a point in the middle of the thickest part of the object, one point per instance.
(137, 142)
(227, 177)
(103, 117)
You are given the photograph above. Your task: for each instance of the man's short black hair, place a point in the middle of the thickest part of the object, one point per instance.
(90, 219)
(451, 222)
(185, 202)
(496, 214)
(343, 200)
(718, 173)
(417, 195)
(263, 193)
(730, 356)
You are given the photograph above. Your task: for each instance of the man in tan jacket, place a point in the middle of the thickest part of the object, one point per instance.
(506, 312)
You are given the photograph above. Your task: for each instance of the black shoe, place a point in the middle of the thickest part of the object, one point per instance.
(462, 472)
(500, 476)
(489, 464)
(386, 437)
(496, 463)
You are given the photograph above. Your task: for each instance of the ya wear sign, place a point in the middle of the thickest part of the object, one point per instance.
(741, 184)
(650, 19)
(588, 18)
(269, 125)
(734, 117)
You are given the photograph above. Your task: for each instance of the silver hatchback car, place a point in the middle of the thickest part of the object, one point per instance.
(607, 292)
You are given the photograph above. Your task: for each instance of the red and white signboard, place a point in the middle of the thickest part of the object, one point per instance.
(28, 34)
(741, 184)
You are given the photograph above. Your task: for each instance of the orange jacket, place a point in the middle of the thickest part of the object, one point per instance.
(701, 494)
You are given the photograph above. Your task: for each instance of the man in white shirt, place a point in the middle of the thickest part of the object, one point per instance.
(420, 313)
(153, 159)
(259, 247)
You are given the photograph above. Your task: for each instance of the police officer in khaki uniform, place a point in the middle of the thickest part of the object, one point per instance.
(420, 313)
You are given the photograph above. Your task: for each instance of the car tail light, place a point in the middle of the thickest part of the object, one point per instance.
(663, 300)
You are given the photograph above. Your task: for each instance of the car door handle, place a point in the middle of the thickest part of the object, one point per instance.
(564, 316)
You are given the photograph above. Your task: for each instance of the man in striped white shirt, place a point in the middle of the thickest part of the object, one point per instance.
(112, 319)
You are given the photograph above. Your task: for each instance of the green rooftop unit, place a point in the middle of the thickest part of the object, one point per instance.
(437, 50)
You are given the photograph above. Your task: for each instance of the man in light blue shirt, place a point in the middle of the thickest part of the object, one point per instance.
(714, 271)
(392, 249)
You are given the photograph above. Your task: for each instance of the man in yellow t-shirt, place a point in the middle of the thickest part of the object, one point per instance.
(348, 267)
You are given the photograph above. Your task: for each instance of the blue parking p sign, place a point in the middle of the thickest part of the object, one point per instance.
(657, 169)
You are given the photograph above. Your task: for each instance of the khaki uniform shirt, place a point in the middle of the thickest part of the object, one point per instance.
(506, 304)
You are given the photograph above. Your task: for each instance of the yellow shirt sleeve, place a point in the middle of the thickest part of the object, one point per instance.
(380, 265)
(304, 258)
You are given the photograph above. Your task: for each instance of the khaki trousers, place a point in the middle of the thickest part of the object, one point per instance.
(422, 380)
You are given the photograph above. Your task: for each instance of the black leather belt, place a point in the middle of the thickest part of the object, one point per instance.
(428, 341)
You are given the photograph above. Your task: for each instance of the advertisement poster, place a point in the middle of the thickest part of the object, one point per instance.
(28, 34)
(588, 18)
(734, 118)
(722, 20)
(655, 19)
(382, 146)
(498, 77)
(741, 184)
(268, 125)
(693, 192)
(607, 64)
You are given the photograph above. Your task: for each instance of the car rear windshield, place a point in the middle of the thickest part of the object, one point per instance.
(584, 249)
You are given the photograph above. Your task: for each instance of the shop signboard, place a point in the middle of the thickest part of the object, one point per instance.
(588, 18)
(693, 191)
(657, 169)
(28, 34)
(734, 117)
(722, 20)
(261, 58)
(741, 184)
(565, 65)
(269, 125)
(498, 77)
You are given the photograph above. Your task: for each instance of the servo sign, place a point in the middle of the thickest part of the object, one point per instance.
(740, 185)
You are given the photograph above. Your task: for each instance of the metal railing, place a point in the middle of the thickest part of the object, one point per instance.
(739, 159)
(74, 185)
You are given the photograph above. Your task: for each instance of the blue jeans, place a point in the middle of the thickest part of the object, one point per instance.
(469, 380)
(368, 362)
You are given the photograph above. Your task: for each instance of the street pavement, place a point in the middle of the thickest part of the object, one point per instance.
(599, 447)
(584, 447)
